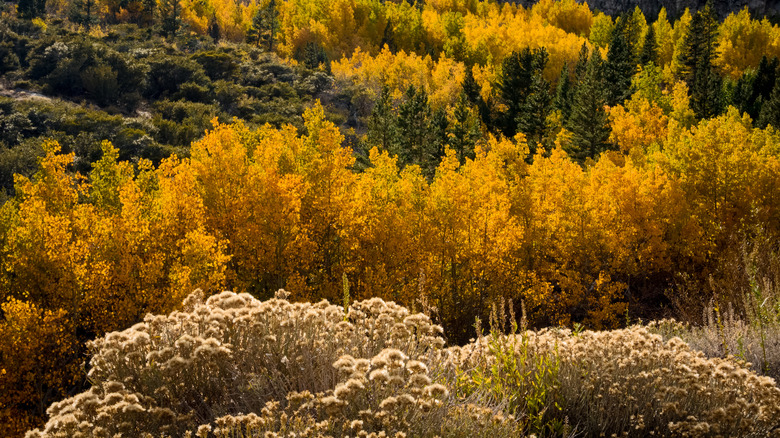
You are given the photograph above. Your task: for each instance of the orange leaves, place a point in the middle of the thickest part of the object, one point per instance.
(637, 126)
(36, 363)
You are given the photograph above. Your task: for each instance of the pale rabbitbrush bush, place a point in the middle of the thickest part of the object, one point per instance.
(631, 383)
(234, 363)
(237, 367)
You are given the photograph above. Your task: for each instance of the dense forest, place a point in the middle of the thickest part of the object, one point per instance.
(452, 156)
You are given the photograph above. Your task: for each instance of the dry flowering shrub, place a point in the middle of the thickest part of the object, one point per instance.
(233, 355)
(631, 383)
(727, 335)
(233, 366)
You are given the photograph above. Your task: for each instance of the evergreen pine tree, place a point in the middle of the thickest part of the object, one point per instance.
(464, 131)
(564, 93)
(755, 88)
(29, 9)
(473, 94)
(620, 66)
(388, 37)
(471, 87)
(582, 64)
(382, 125)
(770, 112)
(532, 118)
(265, 25)
(213, 29)
(517, 77)
(83, 12)
(148, 11)
(589, 122)
(697, 64)
(649, 48)
(417, 143)
(170, 17)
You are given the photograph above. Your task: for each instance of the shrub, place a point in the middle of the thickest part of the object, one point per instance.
(166, 75)
(235, 366)
(101, 83)
(627, 383)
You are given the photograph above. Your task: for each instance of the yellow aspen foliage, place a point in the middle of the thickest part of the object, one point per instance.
(251, 196)
(474, 241)
(638, 125)
(601, 30)
(492, 37)
(664, 37)
(37, 366)
(441, 79)
(393, 221)
(679, 31)
(569, 15)
(742, 42)
(721, 165)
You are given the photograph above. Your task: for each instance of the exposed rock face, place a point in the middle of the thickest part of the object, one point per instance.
(675, 8)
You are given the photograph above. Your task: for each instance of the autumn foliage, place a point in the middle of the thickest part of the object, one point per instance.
(254, 210)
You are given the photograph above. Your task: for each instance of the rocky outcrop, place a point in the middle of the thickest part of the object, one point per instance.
(675, 8)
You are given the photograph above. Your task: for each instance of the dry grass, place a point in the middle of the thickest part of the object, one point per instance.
(233, 366)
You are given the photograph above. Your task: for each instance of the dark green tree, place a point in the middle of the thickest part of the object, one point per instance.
(313, 56)
(589, 122)
(29, 9)
(388, 37)
(473, 94)
(83, 12)
(265, 26)
(213, 28)
(564, 93)
(752, 90)
(697, 63)
(516, 84)
(417, 134)
(170, 17)
(649, 47)
(620, 65)
(383, 124)
(582, 64)
(471, 87)
(532, 118)
(770, 111)
(464, 130)
(148, 11)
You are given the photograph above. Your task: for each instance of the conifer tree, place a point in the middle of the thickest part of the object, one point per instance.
(213, 30)
(464, 131)
(589, 122)
(29, 9)
(649, 47)
(582, 64)
(383, 125)
(697, 63)
(564, 93)
(148, 11)
(170, 17)
(620, 65)
(754, 88)
(265, 25)
(83, 12)
(770, 111)
(516, 84)
(417, 143)
(471, 89)
(532, 118)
